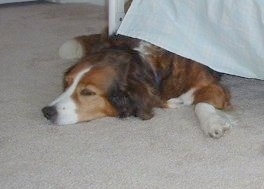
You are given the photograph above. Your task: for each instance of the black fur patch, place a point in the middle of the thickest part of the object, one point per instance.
(135, 91)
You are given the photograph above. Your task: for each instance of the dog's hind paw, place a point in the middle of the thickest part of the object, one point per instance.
(216, 126)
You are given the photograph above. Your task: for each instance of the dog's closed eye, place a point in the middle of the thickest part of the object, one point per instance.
(87, 92)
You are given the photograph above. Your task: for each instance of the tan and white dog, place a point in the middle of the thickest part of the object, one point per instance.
(120, 77)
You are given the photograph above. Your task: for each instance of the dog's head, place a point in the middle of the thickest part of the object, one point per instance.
(114, 83)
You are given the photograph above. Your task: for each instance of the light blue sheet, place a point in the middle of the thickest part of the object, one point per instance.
(226, 35)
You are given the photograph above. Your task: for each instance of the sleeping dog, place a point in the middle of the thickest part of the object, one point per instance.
(120, 76)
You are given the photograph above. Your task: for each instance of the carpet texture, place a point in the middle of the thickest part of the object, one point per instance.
(168, 151)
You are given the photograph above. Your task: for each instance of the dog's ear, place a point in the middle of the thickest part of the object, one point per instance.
(120, 100)
(134, 91)
(133, 99)
(143, 100)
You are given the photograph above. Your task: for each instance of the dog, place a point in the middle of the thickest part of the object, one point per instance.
(118, 76)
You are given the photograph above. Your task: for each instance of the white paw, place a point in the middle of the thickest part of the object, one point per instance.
(175, 103)
(183, 100)
(216, 126)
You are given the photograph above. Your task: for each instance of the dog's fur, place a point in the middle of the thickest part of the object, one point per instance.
(120, 76)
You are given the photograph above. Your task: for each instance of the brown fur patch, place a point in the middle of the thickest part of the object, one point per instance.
(179, 75)
(95, 105)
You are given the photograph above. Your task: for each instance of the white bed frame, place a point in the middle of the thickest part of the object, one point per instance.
(116, 13)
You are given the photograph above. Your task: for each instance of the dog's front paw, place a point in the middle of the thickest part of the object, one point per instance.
(174, 103)
(183, 100)
(214, 123)
(216, 126)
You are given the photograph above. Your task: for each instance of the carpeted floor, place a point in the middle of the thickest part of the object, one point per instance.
(168, 151)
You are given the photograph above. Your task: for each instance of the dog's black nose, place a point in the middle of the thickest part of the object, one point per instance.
(49, 112)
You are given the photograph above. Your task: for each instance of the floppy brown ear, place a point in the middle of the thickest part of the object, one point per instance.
(121, 101)
(143, 100)
(134, 92)
(144, 110)
(134, 99)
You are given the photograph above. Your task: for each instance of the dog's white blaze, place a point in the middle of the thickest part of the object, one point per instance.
(65, 105)
(185, 99)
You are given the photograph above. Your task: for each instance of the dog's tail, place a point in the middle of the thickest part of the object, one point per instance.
(72, 49)
(80, 46)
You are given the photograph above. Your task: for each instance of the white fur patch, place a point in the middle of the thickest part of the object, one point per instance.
(65, 105)
(71, 49)
(183, 100)
(213, 122)
(143, 48)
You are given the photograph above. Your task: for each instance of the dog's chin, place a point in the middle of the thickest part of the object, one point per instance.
(64, 121)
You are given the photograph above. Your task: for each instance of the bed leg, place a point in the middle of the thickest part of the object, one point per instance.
(116, 13)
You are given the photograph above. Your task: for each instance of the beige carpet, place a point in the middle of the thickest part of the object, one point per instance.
(168, 151)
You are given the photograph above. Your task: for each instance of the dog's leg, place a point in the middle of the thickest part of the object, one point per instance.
(210, 101)
(213, 122)
(183, 100)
